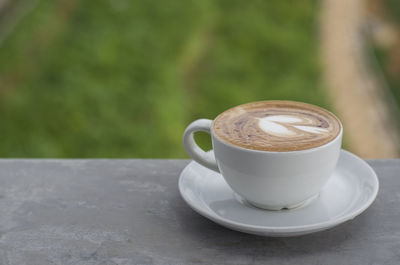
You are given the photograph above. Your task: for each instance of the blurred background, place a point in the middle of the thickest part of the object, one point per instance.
(119, 78)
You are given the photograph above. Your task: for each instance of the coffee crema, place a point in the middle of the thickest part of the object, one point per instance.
(276, 125)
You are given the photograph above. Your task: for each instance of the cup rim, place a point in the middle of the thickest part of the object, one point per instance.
(339, 135)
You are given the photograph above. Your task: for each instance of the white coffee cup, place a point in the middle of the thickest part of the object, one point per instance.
(268, 180)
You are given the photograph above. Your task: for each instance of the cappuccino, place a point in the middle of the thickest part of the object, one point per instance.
(277, 126)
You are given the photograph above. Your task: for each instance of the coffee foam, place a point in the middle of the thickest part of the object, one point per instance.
(276, 126)
(285, 126)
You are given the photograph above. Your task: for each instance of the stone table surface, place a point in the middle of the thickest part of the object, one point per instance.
(130, 212)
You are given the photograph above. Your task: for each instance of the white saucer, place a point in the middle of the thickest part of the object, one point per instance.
(350, 190)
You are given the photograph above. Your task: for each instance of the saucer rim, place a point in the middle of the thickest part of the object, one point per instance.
(286, 229)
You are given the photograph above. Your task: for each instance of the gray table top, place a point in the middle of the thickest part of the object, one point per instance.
(130, 212)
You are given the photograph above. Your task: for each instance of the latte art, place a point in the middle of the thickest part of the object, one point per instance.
(288, 126)
(276, 126)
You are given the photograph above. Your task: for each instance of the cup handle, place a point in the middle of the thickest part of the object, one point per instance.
(206, 159)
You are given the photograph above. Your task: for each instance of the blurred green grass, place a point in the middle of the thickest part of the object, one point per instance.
(392, 13)
(392, 80)
(124, 78)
